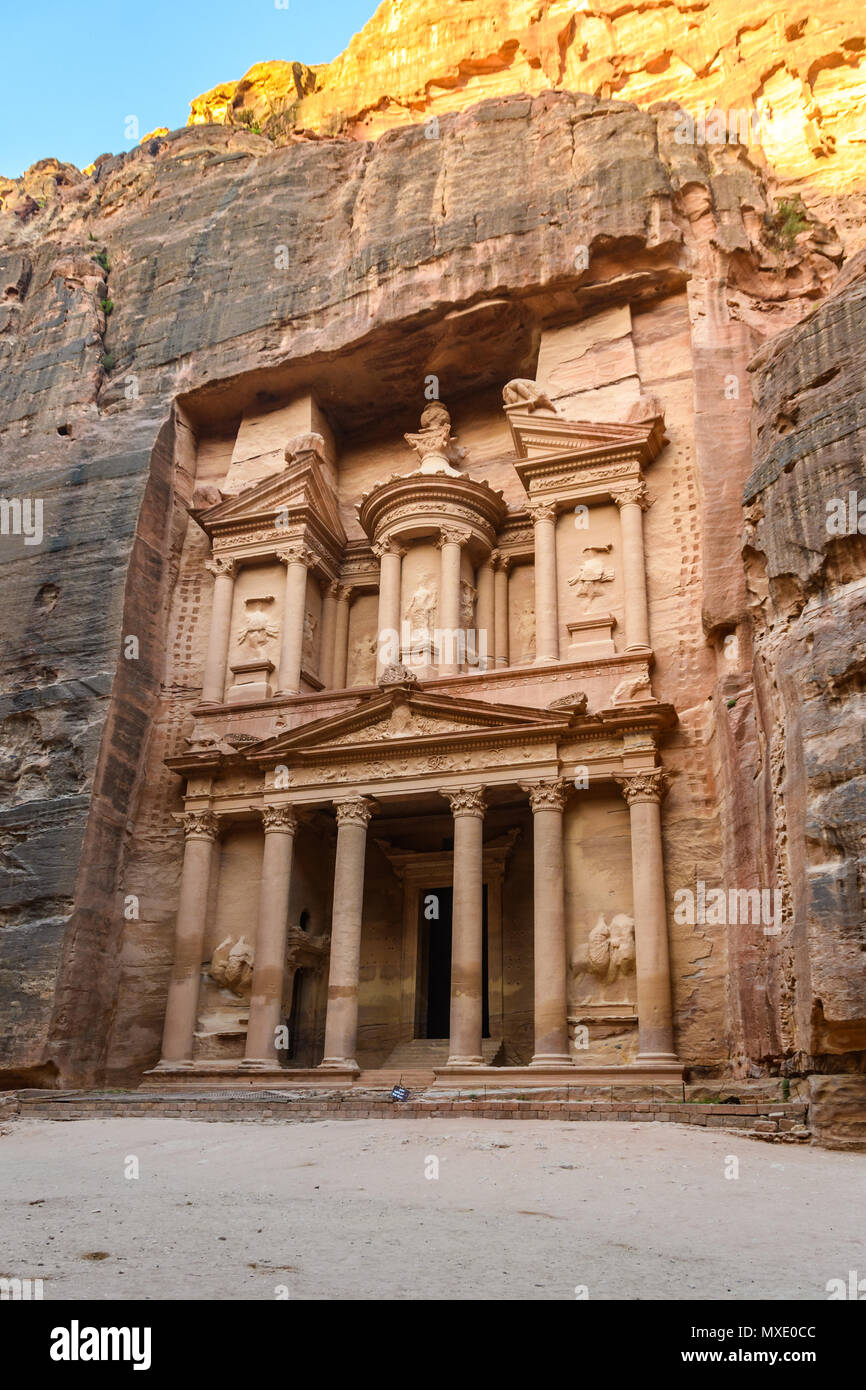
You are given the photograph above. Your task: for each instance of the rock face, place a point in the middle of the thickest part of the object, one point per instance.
(805, 559)
(148, 304)
(801, 68)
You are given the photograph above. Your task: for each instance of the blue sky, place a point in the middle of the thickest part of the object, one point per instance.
(74, 72)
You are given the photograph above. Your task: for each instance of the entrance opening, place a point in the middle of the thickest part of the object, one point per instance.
(435, 912)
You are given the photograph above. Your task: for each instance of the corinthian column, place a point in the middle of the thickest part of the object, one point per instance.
(390, 558)
(547, 800)
(201, 829)
(546, 608)
(297, 559)
(633, 502)
(643, 792)
(341, 636)
(329, 628)
(450, 546)
(266, 999)
(500, 604)
(341, 1022)
(467, 928)
(485, 615)
(214, 684)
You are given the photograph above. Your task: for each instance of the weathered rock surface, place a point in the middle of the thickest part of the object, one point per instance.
(805, 559)
(801, 66)
(837, 1111)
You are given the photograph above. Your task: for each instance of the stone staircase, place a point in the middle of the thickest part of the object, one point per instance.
(423, 1054)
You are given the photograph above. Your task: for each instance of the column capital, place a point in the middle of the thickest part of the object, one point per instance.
(542, 511)
(501, 563)
(329, 586)
(199, 825)
(546, 796)
(387, 546)
(297, 553)
(353, 810)
(452, 535)
(344, 592)
(279, 819)
(632, 493)
(222, 564)
(643, 786)
(466, 801)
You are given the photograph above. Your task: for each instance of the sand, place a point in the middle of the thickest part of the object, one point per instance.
(344, 1210)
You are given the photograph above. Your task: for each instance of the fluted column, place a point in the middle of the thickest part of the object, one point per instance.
(390, 557)
(214, 683)
(547, 800)
(329, 627)
(546, 606)
(467, 928)
(633, 502)
(297, 559)
(643, 791)
(500, 603)
(280, 824)
(341, 635)
(341, 1023)
(201, 830)
(450, 544)
(485, 631)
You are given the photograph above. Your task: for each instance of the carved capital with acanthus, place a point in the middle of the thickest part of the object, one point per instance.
(297, 553)
(387, 546)
(344, 592)
(466, 801)
(643, 786)
(282, 819)
(353, 810)
(546, 796)
(200, 825)
(222, 564)
(632, 493)
(542, 511)
(452, 535)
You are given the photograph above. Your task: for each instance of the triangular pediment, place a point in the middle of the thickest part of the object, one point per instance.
(540, 435)
(299, 492)
(397, 717)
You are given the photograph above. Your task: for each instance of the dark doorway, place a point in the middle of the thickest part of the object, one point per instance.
(435, 909)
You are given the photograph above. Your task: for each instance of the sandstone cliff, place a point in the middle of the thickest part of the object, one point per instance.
(801, 66)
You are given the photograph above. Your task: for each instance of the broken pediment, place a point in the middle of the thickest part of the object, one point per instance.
(300, 494)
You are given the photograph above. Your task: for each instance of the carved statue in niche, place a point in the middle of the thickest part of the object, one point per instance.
(362, 661)
(421, 616)
(593, 572)
(434, 445)
(231, 966)
(526, 636)
(467, 604)
(257, 631)
(607, 956)
(610, 948)
(308, 651)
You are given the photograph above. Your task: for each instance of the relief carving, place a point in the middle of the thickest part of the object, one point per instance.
(593, 572)
(522, 391)
(256, 630)
(231, 966)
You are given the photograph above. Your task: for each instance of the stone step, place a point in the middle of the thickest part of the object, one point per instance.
(423, 1054)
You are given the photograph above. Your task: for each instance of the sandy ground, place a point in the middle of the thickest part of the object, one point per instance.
(344, 1209)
